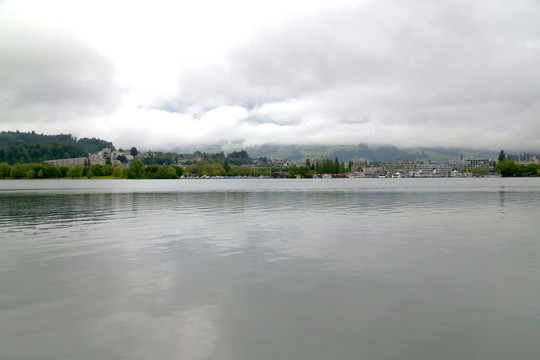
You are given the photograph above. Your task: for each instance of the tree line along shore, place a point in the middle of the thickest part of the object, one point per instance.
(136, 169)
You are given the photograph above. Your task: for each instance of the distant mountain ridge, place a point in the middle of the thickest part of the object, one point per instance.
(347, 153)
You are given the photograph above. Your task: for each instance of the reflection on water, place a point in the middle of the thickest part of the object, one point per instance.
(279, 270)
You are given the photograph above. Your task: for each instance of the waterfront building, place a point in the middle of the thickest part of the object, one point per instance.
(403, 167)
(434, 169)
(68, 162)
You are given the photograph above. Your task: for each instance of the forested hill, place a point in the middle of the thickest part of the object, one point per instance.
(362, 151)
(22, 147)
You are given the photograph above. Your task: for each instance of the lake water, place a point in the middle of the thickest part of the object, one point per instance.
(270, 269)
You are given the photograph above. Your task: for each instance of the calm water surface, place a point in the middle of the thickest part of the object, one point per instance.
(270, 269)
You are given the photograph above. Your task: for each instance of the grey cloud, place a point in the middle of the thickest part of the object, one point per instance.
(45, 72)
(409, 63)
(263, 120)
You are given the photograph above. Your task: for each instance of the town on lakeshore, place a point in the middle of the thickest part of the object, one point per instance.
(34, 156)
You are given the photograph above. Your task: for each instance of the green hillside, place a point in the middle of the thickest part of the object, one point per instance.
(362, 151)
(29, 147)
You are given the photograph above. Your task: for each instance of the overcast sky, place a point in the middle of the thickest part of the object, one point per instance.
(163, 74)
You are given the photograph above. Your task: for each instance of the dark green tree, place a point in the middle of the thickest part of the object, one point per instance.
(136, 170)
(75, 171)
(502, 156)
(303, 171)
(63, 171)
(530, 170)
(509, 168)
(4, 170)
(18, 171)
(117, 172)
(179, 171)
(238, 158)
